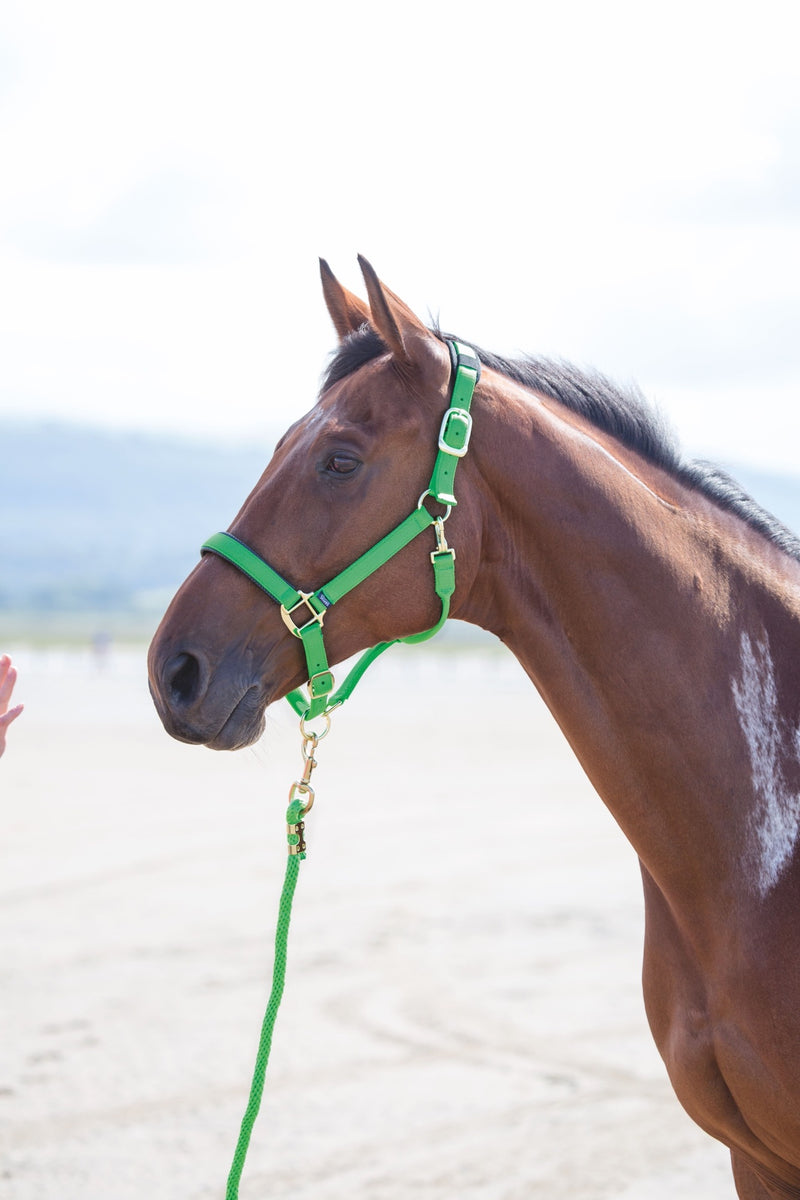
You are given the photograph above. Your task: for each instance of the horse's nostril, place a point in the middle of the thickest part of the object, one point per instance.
(183, 678)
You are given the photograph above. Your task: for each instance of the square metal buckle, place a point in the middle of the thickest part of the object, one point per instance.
(321, 684)
(455, 415)
(286, 613)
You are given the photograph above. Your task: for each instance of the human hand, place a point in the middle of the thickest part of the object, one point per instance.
(8, 677)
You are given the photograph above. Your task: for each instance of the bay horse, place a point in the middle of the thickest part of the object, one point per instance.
(653, 604)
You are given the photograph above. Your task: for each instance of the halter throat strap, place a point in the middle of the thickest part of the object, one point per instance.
(304, 612)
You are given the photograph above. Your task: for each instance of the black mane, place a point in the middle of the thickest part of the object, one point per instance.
(622, 412)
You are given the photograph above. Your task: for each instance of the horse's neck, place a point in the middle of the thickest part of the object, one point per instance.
(654, 648)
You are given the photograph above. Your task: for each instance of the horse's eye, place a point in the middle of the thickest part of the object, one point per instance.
(342, 464)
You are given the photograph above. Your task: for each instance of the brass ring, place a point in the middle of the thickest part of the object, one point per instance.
(326, 717)
(302, 789)
(448, 508)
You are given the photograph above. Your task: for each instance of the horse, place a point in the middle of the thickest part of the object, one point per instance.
(654, 605)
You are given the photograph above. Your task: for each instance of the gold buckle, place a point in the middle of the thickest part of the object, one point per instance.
(286, 614)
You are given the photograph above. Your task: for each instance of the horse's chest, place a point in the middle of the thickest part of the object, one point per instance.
(691, 1061)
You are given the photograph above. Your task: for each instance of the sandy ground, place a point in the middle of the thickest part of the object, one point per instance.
(462, 1018)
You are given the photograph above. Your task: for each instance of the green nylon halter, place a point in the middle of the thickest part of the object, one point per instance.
(304, 612)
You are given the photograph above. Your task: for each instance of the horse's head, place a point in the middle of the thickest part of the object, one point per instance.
(340, 479)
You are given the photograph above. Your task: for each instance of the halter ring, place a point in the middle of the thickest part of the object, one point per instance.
(448, 508)
(308, 735)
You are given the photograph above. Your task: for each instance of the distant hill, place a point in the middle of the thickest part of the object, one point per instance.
(95, 519)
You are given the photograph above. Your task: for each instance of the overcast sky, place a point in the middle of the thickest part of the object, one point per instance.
(617, 184)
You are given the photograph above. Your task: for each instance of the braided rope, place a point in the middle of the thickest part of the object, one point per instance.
(293, 816)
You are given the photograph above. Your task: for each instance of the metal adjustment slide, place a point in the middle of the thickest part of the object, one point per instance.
(288, 620)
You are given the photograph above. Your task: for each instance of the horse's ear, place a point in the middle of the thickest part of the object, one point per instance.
(394, 320)
(348, 313)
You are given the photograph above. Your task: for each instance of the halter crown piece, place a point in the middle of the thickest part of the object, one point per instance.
(304, 612)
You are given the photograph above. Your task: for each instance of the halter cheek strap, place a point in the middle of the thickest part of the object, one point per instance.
(304, 612)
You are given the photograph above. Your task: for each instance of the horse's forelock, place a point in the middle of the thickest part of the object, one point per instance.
(358, 348)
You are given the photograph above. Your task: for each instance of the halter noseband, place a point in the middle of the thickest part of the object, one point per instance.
(304, 612)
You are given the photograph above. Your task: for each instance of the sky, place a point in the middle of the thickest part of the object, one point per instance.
(614, 184)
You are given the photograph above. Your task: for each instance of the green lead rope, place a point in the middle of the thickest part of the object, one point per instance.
(296, 853)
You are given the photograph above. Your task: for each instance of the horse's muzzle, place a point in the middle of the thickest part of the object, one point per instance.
(218, 709)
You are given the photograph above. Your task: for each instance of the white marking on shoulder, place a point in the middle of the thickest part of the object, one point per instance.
(775, 819)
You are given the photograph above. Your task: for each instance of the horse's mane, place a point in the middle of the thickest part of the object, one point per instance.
(622, 412)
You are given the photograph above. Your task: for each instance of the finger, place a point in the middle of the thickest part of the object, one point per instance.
(7, 687)
(5, 721)
(11, 715)
(8, 677)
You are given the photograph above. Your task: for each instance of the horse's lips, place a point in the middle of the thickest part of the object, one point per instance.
(244, 726)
